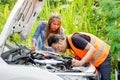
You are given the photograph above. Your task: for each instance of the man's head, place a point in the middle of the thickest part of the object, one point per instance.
(57, 42)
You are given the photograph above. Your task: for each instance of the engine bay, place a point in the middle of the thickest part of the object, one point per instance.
(46, 60)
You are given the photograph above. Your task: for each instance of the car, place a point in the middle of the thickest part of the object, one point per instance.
(18, 62)
(22, 16)
(48, 61)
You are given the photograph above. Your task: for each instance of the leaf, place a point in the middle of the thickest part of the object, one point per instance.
(6, 11)
(115, 46)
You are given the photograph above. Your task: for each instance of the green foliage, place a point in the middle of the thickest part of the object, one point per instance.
(5, 7)
(111, 11)
(6, 12)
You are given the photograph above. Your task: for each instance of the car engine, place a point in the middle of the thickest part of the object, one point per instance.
(46, 60)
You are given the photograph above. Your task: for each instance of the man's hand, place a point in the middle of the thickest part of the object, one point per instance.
(76, 63)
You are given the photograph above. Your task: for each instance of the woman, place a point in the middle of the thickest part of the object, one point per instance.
(53, 26)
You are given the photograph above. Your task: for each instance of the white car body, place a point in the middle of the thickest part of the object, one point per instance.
(21, 21)
(17, 72)
(15, 24)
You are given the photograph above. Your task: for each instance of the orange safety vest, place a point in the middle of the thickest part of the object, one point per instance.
(98, 57)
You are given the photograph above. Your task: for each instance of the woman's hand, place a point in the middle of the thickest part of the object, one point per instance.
(33, 48)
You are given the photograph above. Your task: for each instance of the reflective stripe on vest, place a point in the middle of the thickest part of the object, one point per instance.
(102, 50)
(99, 52)
(93, 40)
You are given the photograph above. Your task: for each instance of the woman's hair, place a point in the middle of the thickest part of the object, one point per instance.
(48, 26)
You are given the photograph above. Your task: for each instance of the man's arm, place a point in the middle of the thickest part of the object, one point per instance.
(90, 50)
(82, 44)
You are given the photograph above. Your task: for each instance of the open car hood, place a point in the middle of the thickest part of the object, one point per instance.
(21, 19)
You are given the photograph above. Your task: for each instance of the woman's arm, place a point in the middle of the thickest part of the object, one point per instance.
(38, 31)
(33, 48)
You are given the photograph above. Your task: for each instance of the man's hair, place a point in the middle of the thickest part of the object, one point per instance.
(54, 38)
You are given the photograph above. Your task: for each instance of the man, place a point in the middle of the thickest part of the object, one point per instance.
(87, 47)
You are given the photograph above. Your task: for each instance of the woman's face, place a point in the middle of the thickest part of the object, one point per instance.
(55, 25)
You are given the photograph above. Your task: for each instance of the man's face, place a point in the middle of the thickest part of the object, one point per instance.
(59, 47)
